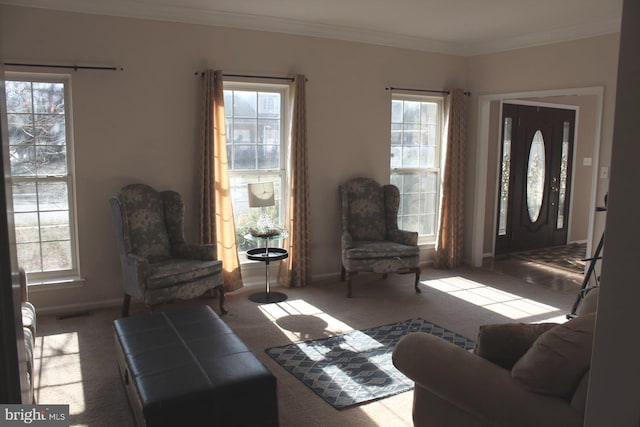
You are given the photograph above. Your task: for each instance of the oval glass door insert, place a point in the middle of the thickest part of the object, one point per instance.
(535, 176)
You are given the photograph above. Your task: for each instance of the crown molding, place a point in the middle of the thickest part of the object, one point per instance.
(548, 37)
(144, 10)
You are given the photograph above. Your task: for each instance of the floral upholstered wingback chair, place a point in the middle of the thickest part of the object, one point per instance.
(371, 240)
(157, 264)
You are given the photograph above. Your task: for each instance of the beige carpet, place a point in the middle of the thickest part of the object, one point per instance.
(75, 356)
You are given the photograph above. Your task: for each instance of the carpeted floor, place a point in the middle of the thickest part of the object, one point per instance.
(75, 356)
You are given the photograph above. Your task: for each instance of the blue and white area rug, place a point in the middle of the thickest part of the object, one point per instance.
(355, 367)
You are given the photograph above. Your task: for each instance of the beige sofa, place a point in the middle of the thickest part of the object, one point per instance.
(518, 375)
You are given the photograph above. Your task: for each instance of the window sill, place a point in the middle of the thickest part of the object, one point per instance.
(48, 285)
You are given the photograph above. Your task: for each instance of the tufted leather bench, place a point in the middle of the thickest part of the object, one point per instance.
(187, 367)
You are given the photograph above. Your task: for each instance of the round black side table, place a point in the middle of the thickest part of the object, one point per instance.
(267, 255)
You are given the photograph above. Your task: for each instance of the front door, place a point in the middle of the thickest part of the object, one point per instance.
(537, 149)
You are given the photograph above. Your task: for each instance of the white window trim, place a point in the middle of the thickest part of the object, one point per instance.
(428, 240)
(73, 275)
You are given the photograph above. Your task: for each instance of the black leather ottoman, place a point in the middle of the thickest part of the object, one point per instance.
(188, 368)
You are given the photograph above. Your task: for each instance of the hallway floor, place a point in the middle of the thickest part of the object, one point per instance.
(535, 273)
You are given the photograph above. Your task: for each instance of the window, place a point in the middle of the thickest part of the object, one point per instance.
(416, 124)
(41, 162)
(255, 149)
(505, 174)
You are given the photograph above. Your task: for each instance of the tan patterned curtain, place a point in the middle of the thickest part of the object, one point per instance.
(295, 271)
(216, 211)
(449, 249)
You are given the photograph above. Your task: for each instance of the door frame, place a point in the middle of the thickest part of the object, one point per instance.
(482, 148)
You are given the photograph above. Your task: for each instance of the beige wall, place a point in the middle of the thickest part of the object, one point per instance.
(142, 124)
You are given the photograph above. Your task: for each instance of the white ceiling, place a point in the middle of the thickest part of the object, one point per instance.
(459, 27)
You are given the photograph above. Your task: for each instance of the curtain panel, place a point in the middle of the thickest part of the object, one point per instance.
(217, 224)
(449, 248)
(295, 271)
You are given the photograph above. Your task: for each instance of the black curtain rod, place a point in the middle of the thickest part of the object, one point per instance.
(68, 67)
(446, 92)
(201, 74)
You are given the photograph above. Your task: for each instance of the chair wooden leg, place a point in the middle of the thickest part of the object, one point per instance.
(221, 297)
(415, 286)
(349, 276)
(126, 303)
(343, 274)
(384, 276)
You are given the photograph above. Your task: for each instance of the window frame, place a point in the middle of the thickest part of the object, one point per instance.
(255, 174)
(423, 239)
(50, 278)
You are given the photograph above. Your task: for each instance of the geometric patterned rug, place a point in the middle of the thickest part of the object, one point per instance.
(353, 368)
(568, 257)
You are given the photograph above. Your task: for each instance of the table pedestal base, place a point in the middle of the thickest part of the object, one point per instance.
(266, 298)
(267, 255)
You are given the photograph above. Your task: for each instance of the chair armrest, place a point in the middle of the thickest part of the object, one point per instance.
(347, 240)
(193, 251)
(477, 386)
(135, 270)
(405, 237)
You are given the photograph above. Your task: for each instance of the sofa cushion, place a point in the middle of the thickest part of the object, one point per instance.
(367, 249)
(505, 343)
(579, 399)
(558, 359)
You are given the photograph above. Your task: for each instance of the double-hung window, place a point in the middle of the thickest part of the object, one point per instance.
(255, 118)
(416, 128)
(41, 161)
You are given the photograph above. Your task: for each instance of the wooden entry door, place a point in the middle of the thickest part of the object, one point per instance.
(537, 151)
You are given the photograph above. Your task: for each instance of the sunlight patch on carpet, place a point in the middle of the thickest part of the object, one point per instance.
(58, 378)
(299, 320)
(504, 303)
